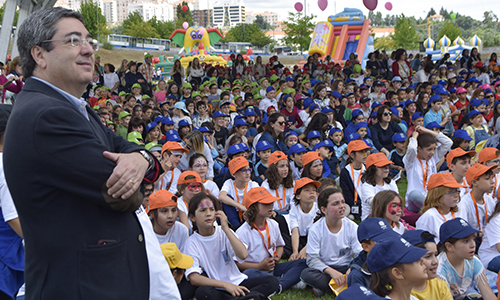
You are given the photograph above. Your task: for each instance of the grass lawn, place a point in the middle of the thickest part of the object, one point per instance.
(307, 294)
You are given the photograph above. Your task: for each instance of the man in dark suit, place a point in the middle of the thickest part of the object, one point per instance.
(74, 182)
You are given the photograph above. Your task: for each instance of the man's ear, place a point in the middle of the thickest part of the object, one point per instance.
(37, 52)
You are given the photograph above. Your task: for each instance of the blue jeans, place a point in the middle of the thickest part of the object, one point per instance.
(494, 264)
(288, 273)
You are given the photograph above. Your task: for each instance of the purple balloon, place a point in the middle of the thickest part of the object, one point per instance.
(322, 4)
(298, 6)
(370, 4)
(388, 6)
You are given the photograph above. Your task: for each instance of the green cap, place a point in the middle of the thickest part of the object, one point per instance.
(95, 87)
(146, 96)
(97, 55)
(136, 85)
(122, 93)
(274, 77)
(235, 87)
(105, 88)
(225, 81)
(187, 85)
(134, 137)
(237, 97)
(153, 147)
(258, 96)
(123, 114)
(262, 80)
(203, 95)
(237, 81)
(288, 91)
(195, 94)
(146, 55)
(254, 84)
(96, 107)
(111, 123)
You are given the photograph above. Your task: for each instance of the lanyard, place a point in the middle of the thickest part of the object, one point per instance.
(169, 184)
(452, 214)
(284, 198)
(424, 172)
(240, 212)
(356, 187)
(268, 246)
(477, 211)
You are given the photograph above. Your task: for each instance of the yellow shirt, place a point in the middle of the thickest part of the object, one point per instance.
(436, 289)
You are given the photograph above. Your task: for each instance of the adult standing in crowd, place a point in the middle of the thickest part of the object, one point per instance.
(82, 234)
(400, 66)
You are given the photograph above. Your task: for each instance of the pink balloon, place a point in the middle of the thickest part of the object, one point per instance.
(298, 6)
(185, 25)
(388, 6)
(201, 31)
(370, 4)
(322, 4)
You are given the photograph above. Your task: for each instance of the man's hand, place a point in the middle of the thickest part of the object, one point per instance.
(128, 174)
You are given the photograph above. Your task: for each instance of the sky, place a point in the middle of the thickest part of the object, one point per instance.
(471, 8)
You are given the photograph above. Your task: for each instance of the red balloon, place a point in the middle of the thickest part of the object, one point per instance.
(322, 4)
(388, 6)
(184, 8)
(298, 6)
(370, 4)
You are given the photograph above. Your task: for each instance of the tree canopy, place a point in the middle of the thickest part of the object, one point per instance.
(298, 29)
(95, 22)
(259, 20)
(183, 16)
(405, 35)
(250, 33)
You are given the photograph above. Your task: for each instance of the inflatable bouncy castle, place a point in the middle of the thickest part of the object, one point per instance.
(344, 33)
(446, 46)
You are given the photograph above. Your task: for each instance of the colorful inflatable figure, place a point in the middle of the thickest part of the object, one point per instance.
(187, 39)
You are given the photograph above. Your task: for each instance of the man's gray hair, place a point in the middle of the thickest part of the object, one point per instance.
(37, 28)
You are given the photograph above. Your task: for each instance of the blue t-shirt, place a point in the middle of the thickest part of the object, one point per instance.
(460, 285)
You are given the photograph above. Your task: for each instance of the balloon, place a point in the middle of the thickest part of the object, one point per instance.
(184, 8)
(453, 16)
(370, 4)
(249, 51)
(185, 25)
(298, 6)
(388, 6)
(322, 4)
(201, 31)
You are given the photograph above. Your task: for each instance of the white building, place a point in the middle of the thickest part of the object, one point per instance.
(228, 13)
(162, 11)
(269, 17)
(122, 8)
(110, 11)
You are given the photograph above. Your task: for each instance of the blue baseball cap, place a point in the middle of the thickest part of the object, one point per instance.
(361, 125)
(473, 79)
(333, 130)
(183, 123)
(264, 119)
(172, 136)
(433, 125)
(349, 80)
(172, 97)
(289, 133)
(262, 146)
(167, 121)
(237, 148)
(376, 104)
(205, 129)
(353, 136)
(474, 113)
(164, 102)
(456, 228)
(373, 115)
(417, 115)
(218, 114)
(442, 91)
(307, 102)
(270, 89)
(434, 98)
(442, 82)
(453, 90)
(151, 126)
(358, 292)
(336, 94)
(314, 134)
(325, 143)
(289, 78)
(409, 101)
(462, 134)
(399, 137)
(158, 119)
(374, 229)
(392, 251)
(240, 122)
(356, 113)
(348, 94)
(488, 91)
(297, 148)
(326, 109)
(250, 112)
(313, 107)
(394, 109)
(414, 237)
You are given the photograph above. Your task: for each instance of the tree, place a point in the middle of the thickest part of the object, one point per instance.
(95, 22)
(134, 17)
(385, 42)
(451, 30)
(164, 29)
(405, 35)
(431, 12)
(260, 39)
(249, 33)
(298, 29)
(142, 30)
(183, 16)
(259, 20)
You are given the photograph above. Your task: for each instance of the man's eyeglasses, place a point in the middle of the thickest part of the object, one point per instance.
(77, 41)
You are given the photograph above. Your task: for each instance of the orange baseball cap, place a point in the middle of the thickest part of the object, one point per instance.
(443, 179)
(184, 177)
(173, 146)
(302, 182)
(457, 152)
(258, 195)
(161, 198)
(488, 153)
(277, 156)
(475, 171)
(378, 159)
(310, 156)
(237, 164)
(357, 145)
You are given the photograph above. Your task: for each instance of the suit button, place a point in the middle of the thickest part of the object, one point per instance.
(140, 238)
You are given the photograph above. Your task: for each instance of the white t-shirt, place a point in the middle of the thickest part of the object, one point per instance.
(432, 220)
(336, 249)
(215, 256)
(468, 204)
(285, 195)
(178, 234)
(110, 80)
(302, 220)
(228, 187)
(266, 103)
(6, 203)
(169, 182)
(212, 187)
(257, 251)
(399, 228)
(161, 282)
(488, 249)
(367, 192)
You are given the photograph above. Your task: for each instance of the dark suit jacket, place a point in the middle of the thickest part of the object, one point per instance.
(80, 243)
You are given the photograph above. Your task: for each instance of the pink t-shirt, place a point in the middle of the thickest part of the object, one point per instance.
(160, 97)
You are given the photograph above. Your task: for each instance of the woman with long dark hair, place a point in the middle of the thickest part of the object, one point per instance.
(273, 133)
(400, 66)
